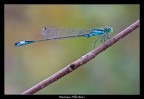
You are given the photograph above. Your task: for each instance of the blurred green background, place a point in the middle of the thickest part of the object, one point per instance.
(114, 71)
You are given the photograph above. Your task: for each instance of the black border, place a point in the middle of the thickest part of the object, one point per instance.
(52, 1)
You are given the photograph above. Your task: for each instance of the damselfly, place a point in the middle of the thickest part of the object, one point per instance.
(52, 33)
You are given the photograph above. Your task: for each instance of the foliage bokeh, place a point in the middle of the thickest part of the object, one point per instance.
(115, 71)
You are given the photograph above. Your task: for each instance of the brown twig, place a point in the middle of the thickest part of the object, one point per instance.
(84, 59)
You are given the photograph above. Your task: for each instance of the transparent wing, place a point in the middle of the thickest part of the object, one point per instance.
(54, 32)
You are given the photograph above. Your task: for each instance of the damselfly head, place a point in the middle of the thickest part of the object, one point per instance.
(108, 30)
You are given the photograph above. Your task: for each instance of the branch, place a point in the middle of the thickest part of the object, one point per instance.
(84, 59)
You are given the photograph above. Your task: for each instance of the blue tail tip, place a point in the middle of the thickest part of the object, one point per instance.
(21, 43)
